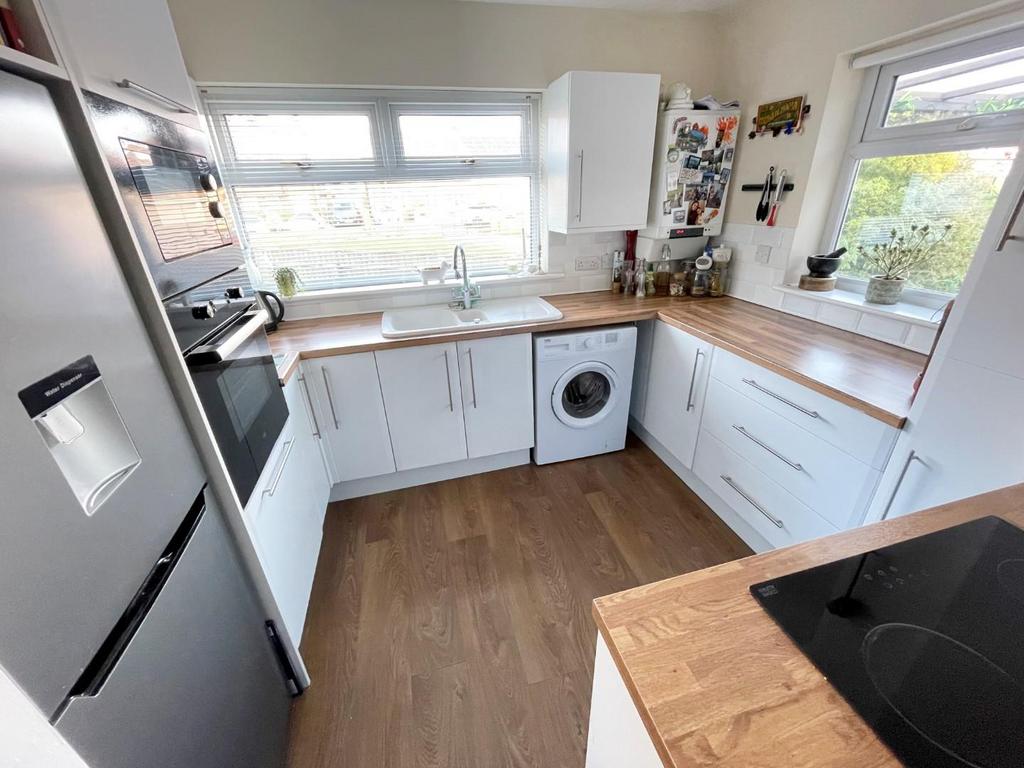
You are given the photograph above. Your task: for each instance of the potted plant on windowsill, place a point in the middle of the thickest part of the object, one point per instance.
(896, 258)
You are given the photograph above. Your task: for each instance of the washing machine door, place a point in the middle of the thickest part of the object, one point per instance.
(585, 394)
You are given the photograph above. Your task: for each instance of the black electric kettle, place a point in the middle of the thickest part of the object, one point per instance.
(275, 308)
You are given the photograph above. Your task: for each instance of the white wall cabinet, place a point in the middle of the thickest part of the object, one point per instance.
(349, 412)
(423, 399)
(679, 368)
(286, 511)
(107, 41)
(496, 377)
(600, 149)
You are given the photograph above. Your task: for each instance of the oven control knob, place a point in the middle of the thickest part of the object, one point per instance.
(216, 210)
(235, 292)
(204, 311)
(209, 182)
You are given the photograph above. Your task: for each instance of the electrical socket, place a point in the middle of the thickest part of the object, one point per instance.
(587, 263)
(606, 260)
(763, 254)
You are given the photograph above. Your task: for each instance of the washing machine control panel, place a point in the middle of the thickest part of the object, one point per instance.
(562, 345)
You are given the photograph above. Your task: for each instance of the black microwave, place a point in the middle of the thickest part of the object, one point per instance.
(168, 179)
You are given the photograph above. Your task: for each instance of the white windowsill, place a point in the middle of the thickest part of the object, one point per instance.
(391, 289)
(914, 314)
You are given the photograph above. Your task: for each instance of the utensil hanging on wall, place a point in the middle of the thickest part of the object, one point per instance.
(766, 196)
(778, 199)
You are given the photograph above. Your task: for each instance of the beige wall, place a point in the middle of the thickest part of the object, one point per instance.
(435, 42)
(787, 48)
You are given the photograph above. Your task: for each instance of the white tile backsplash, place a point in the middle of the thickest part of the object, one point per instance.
(759, 283)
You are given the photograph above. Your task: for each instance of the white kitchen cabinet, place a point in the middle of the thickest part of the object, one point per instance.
(423, 400)
(349, 411)
(285, 513)
(496, 377)
(617, 736)
(105, 42)
(680, 365)
(308, 453)
(600, 149)
(963, 437)
(641, 369)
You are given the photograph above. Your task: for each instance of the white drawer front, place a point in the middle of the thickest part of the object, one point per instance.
(863, 437)
(835, 485)
(763, 503)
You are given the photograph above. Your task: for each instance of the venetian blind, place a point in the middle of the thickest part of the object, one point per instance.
(354, 187)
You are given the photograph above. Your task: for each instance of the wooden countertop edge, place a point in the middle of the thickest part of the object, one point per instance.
(617, 316)
(1006, 503)
(641, 708)
(288, 366)
(876, 412)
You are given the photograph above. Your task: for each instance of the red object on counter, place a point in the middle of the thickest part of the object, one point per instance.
(631, 244)
(12, 31)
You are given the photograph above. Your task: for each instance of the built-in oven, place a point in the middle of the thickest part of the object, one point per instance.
(167, 176)
(226, 349)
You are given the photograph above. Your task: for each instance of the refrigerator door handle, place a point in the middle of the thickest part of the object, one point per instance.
(95, 674)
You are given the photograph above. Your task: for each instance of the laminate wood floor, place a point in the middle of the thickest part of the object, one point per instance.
(450, 625)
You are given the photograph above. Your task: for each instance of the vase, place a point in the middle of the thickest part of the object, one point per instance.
(883, 290)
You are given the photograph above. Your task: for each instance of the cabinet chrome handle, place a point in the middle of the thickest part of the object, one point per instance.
(472, 376)
(781, 399)
(1011, 224)
(579, 196)
(309, 402)
(156, 96)
(743, 431)
(693, 379)
(448, 373)
(287, 451)
(330, 397)
(746, 496)
(911, 457)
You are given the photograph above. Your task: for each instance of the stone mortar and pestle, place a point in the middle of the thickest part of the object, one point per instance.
(825, 265)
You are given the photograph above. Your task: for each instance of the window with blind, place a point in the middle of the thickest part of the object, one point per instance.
(356, 188)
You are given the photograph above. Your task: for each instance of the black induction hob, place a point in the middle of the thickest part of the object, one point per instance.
(924, 639)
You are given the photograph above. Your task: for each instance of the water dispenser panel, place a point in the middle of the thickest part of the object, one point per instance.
(80, 426)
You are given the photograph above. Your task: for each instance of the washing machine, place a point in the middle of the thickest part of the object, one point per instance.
(582, 381)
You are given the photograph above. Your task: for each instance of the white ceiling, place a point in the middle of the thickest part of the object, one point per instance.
(672, 6)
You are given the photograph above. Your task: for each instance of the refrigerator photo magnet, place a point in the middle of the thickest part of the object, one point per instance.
(729, 152)
(673, 155)
(679, 215)
(692, 162)
(690, 175)
(724, 175)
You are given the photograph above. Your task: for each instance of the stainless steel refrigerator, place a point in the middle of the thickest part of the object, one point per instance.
(126, 615)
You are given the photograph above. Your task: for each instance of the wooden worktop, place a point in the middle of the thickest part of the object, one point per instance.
(716, 682)
(871, 376)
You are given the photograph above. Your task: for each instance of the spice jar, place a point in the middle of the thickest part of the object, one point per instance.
(701, 278)
(677, 286)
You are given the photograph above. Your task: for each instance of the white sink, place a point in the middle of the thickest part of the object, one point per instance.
(492, 313)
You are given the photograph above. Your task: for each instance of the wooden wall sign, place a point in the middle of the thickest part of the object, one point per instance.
(783, 116)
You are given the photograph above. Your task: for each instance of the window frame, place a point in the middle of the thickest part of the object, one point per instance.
(383, 106)
(869, 138)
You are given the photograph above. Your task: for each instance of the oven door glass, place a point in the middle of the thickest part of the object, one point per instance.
(243, 401)
(181, 197)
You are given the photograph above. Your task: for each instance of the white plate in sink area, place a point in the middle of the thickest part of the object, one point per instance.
(491, 313)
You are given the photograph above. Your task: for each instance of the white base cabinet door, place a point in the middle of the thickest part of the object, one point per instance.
(423, 400)
(349, 411)
(617, 737)
(287, 526)
(309, 455)
(680, 364)
(497, 393)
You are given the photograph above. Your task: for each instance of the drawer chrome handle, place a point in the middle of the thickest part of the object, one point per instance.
(472, 376)
(309, 402)
(781, 399)
(280, 469)
(772, 451)
(911, 457)
(330, 397)
(746, 496)
(448, 373)
(693, 379)
(177, 106)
